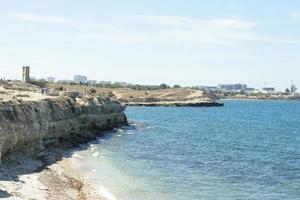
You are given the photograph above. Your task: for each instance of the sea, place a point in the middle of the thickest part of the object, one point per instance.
(248, 149)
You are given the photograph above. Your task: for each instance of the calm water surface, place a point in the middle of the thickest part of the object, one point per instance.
(245, 150)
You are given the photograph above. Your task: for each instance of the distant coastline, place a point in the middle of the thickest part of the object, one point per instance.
(262, 99)
(168, 97)
(178, 104)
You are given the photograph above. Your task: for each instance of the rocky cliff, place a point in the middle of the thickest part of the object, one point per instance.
(31, 125)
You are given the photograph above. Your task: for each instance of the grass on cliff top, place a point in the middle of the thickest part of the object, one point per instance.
(129, 94)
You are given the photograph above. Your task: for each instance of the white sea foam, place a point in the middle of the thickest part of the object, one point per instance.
(75, 155)
(96, 154)
(106, 194)
(94, 148)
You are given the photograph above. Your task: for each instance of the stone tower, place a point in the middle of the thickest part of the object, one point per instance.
(26, 74)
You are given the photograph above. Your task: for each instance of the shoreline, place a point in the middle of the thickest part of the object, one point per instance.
(177, 104)
(258, 99)
(38, 136)
(48, 176)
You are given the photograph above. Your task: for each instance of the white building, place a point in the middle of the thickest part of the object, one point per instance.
(80, 79)
(268, 90)
(233, 87)
(251, 91)
(209, 88)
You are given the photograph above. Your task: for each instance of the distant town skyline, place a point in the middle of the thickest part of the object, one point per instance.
(77, 78)
(181, 42)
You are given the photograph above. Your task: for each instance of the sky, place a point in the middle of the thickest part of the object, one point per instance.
(186, 42)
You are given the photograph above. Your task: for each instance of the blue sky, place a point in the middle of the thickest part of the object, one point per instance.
(187, 42)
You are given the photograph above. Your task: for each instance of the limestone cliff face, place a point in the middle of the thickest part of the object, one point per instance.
(32, 124)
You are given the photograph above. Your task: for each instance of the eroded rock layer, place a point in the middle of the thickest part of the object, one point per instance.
(30, 125)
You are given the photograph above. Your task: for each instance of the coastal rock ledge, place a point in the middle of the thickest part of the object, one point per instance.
(32, 125)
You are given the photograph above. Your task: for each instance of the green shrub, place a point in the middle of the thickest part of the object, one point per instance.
(59, 88)
(110, 94)
(93, 91)
(40, 83)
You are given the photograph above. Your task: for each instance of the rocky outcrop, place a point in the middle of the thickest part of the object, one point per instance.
(31, 125)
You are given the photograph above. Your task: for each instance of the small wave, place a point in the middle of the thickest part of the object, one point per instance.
(105, 193)
(94, 148)
(132, 126)
(96, 154)
(75, 155)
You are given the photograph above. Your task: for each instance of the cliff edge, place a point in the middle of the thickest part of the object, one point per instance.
(32, 125)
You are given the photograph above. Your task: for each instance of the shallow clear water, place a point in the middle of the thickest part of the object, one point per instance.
(245, 150)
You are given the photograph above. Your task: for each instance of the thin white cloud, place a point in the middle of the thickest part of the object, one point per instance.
(183, 22)
(42, 18)
(118, 36)
(171, 29)
(258, 38)
(176, 29)
(59, 20)
(294, 14)
(162, 29)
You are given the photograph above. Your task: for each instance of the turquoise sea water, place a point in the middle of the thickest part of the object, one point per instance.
(245, 150)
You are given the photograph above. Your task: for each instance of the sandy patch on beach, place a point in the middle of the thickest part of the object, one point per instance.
(24, 177)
